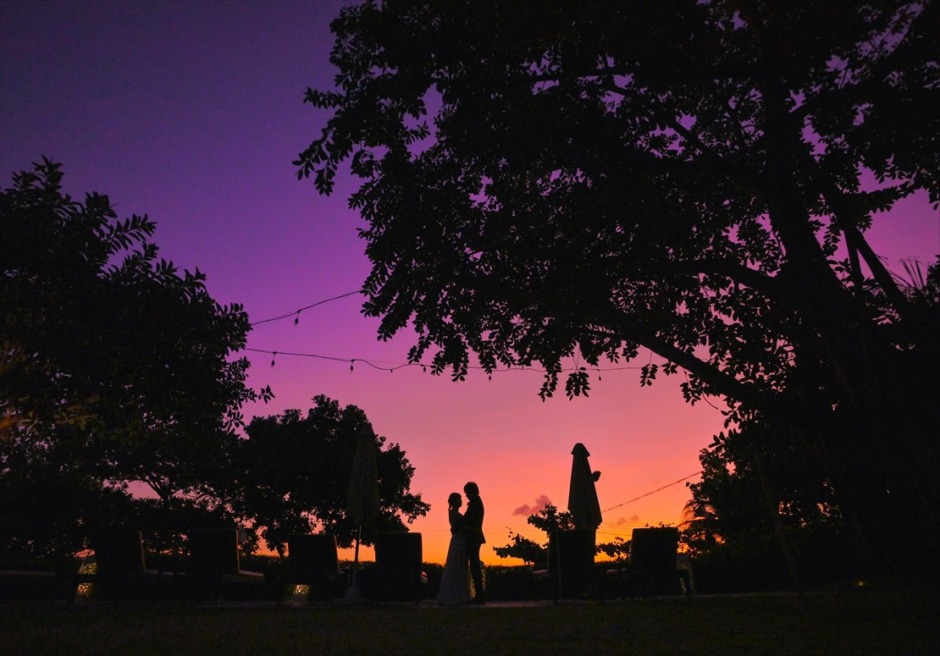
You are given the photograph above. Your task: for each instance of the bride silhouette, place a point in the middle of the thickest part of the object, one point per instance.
(455, 582)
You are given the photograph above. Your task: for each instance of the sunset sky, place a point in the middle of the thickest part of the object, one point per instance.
(191, 112)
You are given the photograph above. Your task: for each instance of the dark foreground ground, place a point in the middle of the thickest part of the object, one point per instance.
(853, 622)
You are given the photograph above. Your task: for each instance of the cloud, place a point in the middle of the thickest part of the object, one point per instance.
(540, 503)
(632, 519)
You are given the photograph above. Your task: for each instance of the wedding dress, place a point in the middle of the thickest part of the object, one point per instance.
(455, 582)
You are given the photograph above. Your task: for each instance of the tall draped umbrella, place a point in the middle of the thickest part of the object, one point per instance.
(575, 549)
(582, 495)
(362, 499)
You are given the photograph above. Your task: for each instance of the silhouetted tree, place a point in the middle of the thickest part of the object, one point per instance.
(46, 505)
(762, 497)
(113, 365)
(618, 550)
(547, 519)
(544, 180)
(292, 475)
(526, 550)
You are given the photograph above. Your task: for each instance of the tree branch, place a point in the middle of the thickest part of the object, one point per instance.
(735, 271)
(878, 269)
(632, 329)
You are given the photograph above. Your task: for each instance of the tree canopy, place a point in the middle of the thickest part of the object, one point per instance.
(548, 519)
(292, 474)
(554, 180)
(113, 363)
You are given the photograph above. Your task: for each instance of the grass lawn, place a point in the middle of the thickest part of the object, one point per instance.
(857, 622)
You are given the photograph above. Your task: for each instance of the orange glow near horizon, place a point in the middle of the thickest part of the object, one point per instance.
(211, 164)
(499, 434)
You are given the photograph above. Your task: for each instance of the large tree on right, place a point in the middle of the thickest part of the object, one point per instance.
(549, 180)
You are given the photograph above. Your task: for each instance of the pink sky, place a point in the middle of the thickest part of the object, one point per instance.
(191, 112)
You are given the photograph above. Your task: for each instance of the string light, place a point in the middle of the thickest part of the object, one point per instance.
(296, 313)
(603, 199)
(617, 530)
(659, 489)
(393, 366)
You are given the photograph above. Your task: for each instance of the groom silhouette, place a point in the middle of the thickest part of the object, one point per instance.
(473, 538)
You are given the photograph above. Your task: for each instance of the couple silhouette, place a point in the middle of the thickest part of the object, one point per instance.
(463, 554)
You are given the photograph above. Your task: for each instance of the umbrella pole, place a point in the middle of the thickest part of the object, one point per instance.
(352, 593)
(356, 556)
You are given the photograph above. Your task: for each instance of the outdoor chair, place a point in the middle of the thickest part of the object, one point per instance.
(313, 561)
(653, 561)
(570, 568)
(121, 571)
(399, 574)
(34, 584)
(215, 571)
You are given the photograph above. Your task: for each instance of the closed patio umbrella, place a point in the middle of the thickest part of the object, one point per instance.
(362, 499)
(363, 495)
(574, 550)
(582, 495)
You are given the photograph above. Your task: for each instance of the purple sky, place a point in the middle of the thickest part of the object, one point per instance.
(191, 112)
